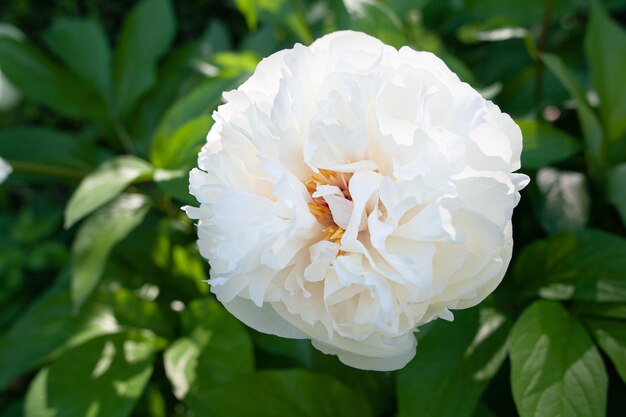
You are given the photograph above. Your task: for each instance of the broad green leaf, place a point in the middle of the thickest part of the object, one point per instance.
(43, 81)
(47, 327)
(103, 377)
(30, 147)
(97, 236)
(616, 189)
(586, 265)
(605, 47)
(556, 370)
(180, 361)
(82, 45)
(611, 336)
(452, 366)
(103, 185)
(147, 34)
(589, 122)
(545, 144)
(285, 393)
(51, 326)
(226, 350)
(191, 113)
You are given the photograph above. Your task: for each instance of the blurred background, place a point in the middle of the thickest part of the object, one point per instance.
(103, 309)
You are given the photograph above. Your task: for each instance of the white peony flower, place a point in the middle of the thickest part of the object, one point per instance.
(5, 170)
(350, 192)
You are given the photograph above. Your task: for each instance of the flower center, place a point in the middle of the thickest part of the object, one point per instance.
(331, 201)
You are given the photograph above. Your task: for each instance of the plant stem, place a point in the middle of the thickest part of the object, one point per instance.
(30, 168)
(123, 135)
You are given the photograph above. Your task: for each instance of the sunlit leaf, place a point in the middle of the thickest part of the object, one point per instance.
(611, 336)
(103, 185)
(556, 369)
(97, 236)
(112, 373)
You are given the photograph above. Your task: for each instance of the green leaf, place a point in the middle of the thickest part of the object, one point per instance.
(473, 349)
(191, 113)
(147, 34)
(249, 10)
(41, 80)
(586, 265)
(605, 47)
(298, 350)
(615, 189)
(103, 377)
(97, 236)
(589, 123)
(30, 147)
(556, 369)
(380, 21)
(611, 336)
(545, 144)
(134, 312)
(279, 394)
(82, 45)
(103, 185)
(172, 75)
(226, 349)
(611, 311)
(180, 150)
(47, 327)
(180, 362)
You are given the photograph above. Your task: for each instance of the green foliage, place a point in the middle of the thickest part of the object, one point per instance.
(103, 185)
(584, 265)
(147, 34)
(97, 236)
(605, 47)
(473, 348)
(555, 368)
(104, 308)
(83, 47)
(113, 373)
(282, 393)
(545, 145)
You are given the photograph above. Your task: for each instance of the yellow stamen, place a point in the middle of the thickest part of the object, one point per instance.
(333, 233)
